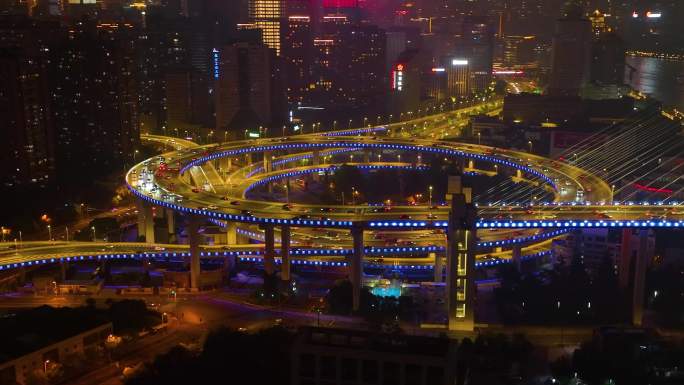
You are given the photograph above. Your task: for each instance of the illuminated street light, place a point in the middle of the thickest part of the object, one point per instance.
(49, 228)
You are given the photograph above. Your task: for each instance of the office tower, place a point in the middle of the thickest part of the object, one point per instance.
(349, 62)
(267, 15)
(297, 55)
(458, 77)
(243, 87)
(477, 47)
(28, 157)
(405, 82)
(571, 57)
(186, 99)
(608, 60)
(94, 97)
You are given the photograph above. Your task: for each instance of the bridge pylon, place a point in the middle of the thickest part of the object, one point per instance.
(461, 240)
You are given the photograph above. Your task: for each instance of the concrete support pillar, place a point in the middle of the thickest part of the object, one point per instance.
(625, 262)
(231, 233)
(461, 237)
(316, 160)
(268, 161)
(269, 251)
(170, 222)
(640, 266)
(139, 205)
(285, 253)
(225, 165)
(471, 164)
(439, 267)
(356, 267)
(63, 268)
(149, 224)
(194, 241)
(517, 256)
(145, 221)
(367, 156)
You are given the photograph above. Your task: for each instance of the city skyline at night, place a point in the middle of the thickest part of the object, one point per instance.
(341, 192)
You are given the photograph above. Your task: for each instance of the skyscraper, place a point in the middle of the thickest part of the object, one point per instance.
(94, 98)
(571, 58)
(267, 15)
(27, 131)
(297, 53)
(243, 87)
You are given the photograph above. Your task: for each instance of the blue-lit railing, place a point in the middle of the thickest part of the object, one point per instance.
(374, 145)
(296, 173)
(278, 162)
(246, 255)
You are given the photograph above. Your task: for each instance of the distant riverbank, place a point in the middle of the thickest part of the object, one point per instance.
(663, 79)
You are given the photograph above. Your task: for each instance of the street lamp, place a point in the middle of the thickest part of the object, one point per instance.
(93, 229)
(45, 365)
(430, 196)
(287, 194)
(529, 144)
(479, 141)
(49, 232)
(67, 233)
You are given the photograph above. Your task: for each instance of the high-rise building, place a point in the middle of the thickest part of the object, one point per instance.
(27, 160)
(267, 15)
(243, 87)
(571, 57)
(405, 82)
(186, 99)
(95, 99)
(458, 77)
(608, 60)
(297, 54)
(349, 63)
(477, 46)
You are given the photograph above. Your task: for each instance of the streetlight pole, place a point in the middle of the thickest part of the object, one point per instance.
(49, 232)
(93, 229)
(67, 233)
(430, 196)
(287, 194)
